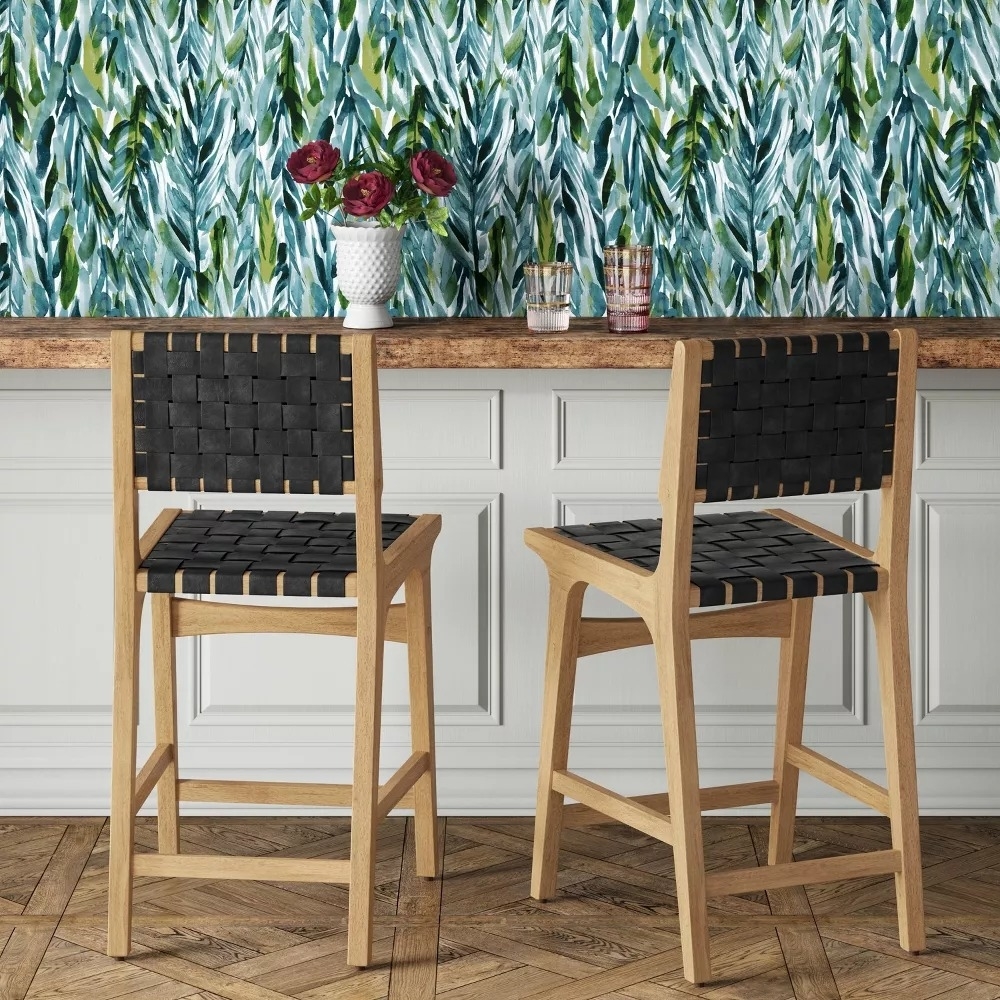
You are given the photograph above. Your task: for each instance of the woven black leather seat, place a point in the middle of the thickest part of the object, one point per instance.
(740, 558)
(270, 553)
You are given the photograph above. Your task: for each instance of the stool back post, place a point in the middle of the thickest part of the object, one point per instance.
(367, 467)
(892, 548)
(126, 506)
(669, 625)
(677, 473)
(127, 611)
(888, 607)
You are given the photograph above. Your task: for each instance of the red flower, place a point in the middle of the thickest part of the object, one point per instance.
(314, 162)
(433, 173)
(367, 194)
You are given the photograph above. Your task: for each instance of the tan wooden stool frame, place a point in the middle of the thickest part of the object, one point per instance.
(663, 600)
(380, 574)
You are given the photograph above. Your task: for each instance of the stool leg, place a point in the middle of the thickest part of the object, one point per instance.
(673, 664)
(888, 608)
(793, 663)
(165, 705)
(565, 609)
(421, 667)
(125, 717)
(364, 797)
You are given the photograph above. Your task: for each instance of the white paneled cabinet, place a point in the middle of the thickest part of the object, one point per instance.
(494, 452)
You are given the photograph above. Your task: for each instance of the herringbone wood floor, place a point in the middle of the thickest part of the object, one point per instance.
(611, 933)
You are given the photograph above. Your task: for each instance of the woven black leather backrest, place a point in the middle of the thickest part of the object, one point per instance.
(243, 413)
(783, 416)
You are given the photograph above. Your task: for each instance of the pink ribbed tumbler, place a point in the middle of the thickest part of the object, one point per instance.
(628, 279)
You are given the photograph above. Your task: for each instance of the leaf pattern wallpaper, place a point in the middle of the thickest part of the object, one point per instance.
(783, 156)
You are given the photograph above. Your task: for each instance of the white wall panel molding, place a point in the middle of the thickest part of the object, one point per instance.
(308, 681)
(55, 429)
(956, 624)
(959, 430)
(55, 595)
(441, 428)
(626, 695)
(601, 429)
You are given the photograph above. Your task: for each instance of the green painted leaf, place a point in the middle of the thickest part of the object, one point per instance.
(267, 240)
(906, 270)
(826, 244)
(69, 267)
(626, 11)
(67, 13)
(14, 103)
(345, 14)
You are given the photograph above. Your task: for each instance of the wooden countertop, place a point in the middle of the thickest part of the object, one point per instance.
(497, 343)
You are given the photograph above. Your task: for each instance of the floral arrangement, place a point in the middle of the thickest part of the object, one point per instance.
(388, 188)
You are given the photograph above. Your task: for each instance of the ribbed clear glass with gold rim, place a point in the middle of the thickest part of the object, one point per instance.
(548, 288)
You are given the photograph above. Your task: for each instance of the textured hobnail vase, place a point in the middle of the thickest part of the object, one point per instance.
(368, 258)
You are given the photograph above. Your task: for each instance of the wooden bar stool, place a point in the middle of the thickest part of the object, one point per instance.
(262, 413)
(748, 417)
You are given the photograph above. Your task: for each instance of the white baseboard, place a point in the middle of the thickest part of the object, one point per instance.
(482, 792)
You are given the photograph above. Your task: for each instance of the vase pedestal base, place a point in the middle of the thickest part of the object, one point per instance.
(367, 316)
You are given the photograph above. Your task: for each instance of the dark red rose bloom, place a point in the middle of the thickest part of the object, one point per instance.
(433, 173)
(314, 162)
(367, 194)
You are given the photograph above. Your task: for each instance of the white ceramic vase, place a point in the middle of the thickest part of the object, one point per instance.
(368, 258)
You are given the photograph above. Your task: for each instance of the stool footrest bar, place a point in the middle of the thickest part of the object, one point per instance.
(837, 776)
(286, 793)
(748, 793)
(613, 806)
(395, 792)
(733, 883)
(214, 866)
(159, 760)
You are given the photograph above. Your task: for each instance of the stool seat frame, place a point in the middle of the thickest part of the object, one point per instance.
(663, 600)
(375, 620)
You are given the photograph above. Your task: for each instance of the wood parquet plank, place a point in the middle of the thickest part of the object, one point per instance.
(806, 961)
(26, 946)
(612, 980)
(941, 954)
(611, 932)
(862, 974)
(170, 967)
(413, 975)
(516, 984)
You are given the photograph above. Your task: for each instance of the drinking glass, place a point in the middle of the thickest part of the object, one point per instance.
(628, 278)
(548, 291)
